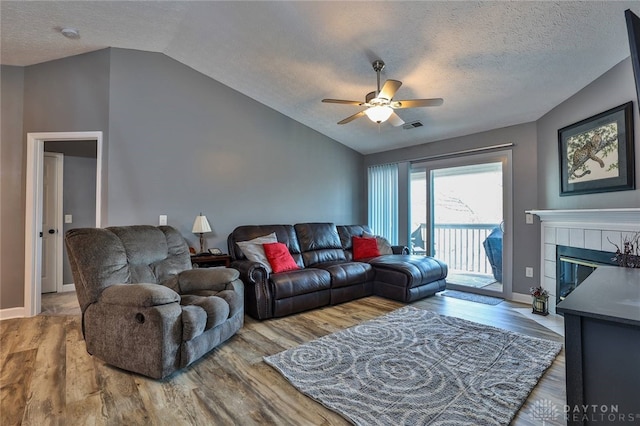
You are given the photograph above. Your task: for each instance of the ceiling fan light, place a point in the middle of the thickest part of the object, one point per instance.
(379, 114)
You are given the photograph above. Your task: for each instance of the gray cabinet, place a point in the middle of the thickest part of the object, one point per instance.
(602, 347)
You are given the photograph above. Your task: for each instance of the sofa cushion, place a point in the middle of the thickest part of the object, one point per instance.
(319, 242)
(254, 251)
(215, 279)
(279, 257)
(364, 248)
(232, 297)
(217, 308)
(301, 281)
(344, 274)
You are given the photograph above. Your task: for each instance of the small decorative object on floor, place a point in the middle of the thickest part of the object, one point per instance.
(540, 302)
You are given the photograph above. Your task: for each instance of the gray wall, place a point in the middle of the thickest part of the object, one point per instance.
(175, 143)
(613, 88)
(79, 199)
(12, 195)
(68, 95)
(525, 237)
(182, 143)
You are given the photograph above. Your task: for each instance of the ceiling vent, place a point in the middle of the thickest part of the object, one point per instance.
(412, 125)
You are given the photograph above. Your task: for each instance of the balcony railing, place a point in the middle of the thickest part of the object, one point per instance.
(458, 245)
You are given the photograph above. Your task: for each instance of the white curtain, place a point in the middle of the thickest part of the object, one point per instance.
(383, 201)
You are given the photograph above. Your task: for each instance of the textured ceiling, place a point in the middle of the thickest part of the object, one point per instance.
(495, 63)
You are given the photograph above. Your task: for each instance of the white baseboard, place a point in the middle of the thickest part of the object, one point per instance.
(20, 312)
(522, 298)
(12, 313)
(68, 287)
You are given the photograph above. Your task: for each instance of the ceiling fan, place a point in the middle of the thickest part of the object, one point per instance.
(380, 104)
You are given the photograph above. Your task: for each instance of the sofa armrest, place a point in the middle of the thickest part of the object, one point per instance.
(250, 272)
(258, 298)
(400, 249)
(206, 279)
(138, 295)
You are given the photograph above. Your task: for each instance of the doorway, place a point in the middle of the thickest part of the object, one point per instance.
(34, 207)
(461, 209)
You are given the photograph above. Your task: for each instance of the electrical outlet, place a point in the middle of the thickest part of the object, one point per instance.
(528, 272)
(163, 219)
(528, 218)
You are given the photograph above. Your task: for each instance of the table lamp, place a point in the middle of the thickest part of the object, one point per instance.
(200, 226)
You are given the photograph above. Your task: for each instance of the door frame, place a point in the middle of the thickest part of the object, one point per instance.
(33, 208)
(506, 157)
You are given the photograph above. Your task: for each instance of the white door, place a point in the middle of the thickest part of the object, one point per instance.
(51, 221)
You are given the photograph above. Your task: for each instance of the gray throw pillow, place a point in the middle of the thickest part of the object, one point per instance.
(254, 251)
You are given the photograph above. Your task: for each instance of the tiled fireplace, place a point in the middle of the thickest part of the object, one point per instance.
(589, 229)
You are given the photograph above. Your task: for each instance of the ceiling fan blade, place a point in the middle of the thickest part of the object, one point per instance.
(389, 89)
(416, 103)
(352, 117)
(340, 101)
(395, 120)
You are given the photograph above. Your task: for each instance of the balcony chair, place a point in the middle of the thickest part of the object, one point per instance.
(143, 308)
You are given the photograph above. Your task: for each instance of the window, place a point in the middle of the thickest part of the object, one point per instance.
(383, 201)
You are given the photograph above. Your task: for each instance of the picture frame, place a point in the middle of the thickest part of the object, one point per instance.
(597, 153)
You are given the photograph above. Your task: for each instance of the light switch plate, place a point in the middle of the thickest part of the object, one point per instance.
(528, 272)
(163, 219)
(68, 218)
(528, 218)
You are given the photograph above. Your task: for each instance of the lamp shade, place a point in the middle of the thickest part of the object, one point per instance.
(379, 114)
(201, 225)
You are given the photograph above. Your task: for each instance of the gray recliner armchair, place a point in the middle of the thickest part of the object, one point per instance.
(143, 308)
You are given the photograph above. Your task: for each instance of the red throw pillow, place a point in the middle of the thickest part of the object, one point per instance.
(364, 248)
(279, 257)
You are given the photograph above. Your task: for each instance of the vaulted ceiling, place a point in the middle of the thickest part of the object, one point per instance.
(495, 63)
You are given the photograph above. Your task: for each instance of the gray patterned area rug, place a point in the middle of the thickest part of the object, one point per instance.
(416, 367)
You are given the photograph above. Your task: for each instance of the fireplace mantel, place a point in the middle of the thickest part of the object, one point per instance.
(627, 215)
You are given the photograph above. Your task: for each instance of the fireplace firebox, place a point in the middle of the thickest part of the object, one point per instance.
(574, 265)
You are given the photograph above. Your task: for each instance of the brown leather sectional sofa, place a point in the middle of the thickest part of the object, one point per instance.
(328, 275)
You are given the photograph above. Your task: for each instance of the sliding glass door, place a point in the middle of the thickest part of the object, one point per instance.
(459, 210)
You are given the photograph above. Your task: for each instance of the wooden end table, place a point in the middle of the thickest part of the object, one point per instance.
(210, 260)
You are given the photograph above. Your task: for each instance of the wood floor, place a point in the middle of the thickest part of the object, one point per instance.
(47, 377)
